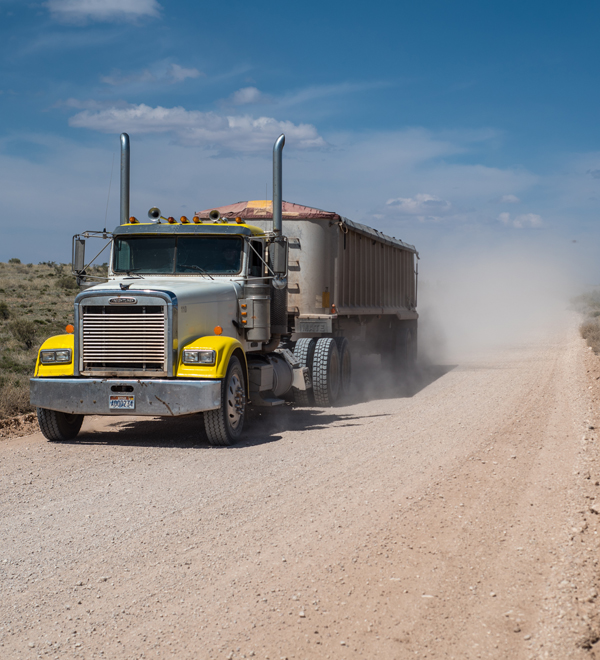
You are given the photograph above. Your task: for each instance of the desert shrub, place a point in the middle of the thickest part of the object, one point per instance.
(587, 302)
(14, 396)
(14, 260)
(67, 282)
(23, 331)
(10, 364)
(4, 311)
(590, 331)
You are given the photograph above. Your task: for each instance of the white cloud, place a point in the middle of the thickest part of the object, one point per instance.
(422, 205)
(509, 199)
(526, 220)
(81, 11)
(88, 104)
(195, 128)
(246, 96)
(171, 74)
(179, 73)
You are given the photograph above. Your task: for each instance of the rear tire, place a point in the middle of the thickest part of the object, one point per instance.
(326, 372)
(224, 426)
(345, 365)
(304, 351)
(405, 346)
(58, 425)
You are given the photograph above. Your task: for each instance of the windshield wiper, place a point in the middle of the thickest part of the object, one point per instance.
(194, 267)
(135, 277)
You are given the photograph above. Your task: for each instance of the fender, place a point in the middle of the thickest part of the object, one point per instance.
(224, 347)
(57, 369)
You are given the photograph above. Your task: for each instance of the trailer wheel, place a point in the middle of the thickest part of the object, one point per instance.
(58, 425)
(412, 345)
(405, 351)
(225, 425)
(326, 372)
(304, 351)
(345, 365)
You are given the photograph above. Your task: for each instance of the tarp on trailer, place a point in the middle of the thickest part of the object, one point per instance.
(263, 210)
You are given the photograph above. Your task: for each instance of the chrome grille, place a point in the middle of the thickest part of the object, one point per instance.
(126, 339)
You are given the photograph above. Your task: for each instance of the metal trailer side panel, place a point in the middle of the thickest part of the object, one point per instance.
(356, 268)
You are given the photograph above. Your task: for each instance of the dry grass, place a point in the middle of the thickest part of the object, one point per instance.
(36, 302)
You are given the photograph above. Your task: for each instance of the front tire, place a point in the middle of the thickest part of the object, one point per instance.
(224, 426)
(56, 425)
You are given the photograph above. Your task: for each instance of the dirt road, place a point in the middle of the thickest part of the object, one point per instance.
(451, 517)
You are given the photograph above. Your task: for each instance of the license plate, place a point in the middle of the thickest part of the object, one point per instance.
(121, 401)
(313, 326)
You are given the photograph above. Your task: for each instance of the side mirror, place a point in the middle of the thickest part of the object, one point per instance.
(278, 256)
(78, 254)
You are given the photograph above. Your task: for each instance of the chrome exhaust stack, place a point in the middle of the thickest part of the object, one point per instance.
(277, 183)
(125, 157)
(278, 254)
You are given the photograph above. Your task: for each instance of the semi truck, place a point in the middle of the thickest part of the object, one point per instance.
(256, 302)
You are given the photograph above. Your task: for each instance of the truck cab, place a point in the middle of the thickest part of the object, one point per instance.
(185, 324)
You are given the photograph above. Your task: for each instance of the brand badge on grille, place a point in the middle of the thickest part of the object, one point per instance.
(123, 301)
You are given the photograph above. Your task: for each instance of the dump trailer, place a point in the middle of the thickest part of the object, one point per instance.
(255, 302)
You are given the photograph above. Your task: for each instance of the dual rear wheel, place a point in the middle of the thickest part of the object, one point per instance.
(330, 366)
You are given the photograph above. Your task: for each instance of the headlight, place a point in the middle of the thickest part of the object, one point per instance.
(199, 357)
(50, 357)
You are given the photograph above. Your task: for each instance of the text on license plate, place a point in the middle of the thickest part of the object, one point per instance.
(121, 401)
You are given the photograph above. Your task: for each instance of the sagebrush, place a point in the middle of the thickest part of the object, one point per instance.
(35, 303)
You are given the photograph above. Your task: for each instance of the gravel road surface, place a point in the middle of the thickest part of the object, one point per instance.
(452, 516)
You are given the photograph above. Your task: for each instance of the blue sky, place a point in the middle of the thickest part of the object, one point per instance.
(445, 124)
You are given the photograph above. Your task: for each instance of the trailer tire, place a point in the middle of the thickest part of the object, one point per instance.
(304, 351)
(326, 372)
(405, 350)
(225, 425)
(412, 345)
(345, 365)
(58, 426)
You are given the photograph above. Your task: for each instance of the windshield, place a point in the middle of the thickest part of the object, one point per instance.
(178, 255)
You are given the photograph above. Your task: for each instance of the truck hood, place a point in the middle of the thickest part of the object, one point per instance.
(187, 290)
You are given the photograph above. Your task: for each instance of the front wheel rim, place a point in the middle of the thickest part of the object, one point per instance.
(235, 401)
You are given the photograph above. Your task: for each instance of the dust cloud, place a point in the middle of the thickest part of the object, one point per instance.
(479, 301)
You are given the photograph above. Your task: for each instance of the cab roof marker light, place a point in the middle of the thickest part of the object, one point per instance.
(133, 221)
(197, 220)
(171, 220)
(184, 220)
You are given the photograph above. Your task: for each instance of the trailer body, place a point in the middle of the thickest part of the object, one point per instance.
(343, 276)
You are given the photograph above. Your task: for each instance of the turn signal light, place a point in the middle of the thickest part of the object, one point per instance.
(133, 221)
(70, 329)
(218, 330)
(171, 220)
